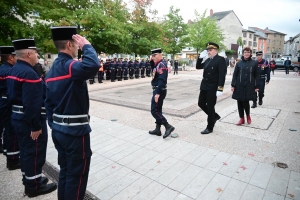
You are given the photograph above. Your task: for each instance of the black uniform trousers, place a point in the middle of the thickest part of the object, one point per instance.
(156, 108)
(207, 101)
(131, 72)
(261, 91)
(10, 141)
(74, 157)
(137, 72)
(287, 70)
(100, 76)
(148, 71)
(176, 70)
(125, 73)
(107, 75)
(143, 72)
(112, 75)
(32, 153)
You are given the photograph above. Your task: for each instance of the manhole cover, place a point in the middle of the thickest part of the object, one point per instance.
(280, 165)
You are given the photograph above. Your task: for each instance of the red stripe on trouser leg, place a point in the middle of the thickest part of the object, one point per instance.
(83, 155)
(162, 119)
(36, 153)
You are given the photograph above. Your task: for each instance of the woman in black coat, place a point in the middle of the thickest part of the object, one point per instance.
(245, 84)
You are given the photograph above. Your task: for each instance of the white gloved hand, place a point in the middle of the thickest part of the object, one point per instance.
(203, 54)
(219, 93)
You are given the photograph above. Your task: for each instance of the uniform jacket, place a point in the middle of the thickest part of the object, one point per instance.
(264, 69)
(25, 88)
(176, 64)
(142, 64)
(136, 65)
(106, 66)
(4, 72)
(245, 80)
(214, 72)
(160, 72)
(125, 65)
(67, 92)
(287, 63)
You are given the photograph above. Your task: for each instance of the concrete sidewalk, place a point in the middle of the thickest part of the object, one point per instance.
(231, 163)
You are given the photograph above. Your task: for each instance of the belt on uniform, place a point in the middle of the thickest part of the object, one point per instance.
(3, 96)
(71, 120)
(20, 110)
(262, 76)
(155, 87)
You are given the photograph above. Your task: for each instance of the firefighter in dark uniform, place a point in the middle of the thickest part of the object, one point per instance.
(176, 67)
(212, 84)
(119, 69)
(148, 68)
(125, 69)
(10, 142)
(264, 74)
(131, 68)
(137, 68)
(142, 66)
(112, 67)
(159, 86)
(67, 106)
(26, 93)
(107, 69)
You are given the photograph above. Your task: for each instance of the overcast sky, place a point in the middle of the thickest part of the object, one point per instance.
(279, 15)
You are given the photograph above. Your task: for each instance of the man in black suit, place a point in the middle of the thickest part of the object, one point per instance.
(212, 84)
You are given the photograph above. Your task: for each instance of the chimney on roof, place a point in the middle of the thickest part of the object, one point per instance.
(267, 28)
(211, 12)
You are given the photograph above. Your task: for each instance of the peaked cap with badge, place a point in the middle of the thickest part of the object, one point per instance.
(63, 32)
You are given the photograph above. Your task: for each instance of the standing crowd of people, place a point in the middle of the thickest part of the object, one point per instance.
(118, 69)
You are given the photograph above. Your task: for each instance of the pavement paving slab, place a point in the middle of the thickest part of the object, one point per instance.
(233, 162)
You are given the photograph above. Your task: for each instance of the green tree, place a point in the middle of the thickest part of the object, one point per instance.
(14, 21)
(145, 34)
(203, 30)
(240, 42)
(175, 32)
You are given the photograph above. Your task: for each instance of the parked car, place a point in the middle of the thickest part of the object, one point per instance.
(280, 63)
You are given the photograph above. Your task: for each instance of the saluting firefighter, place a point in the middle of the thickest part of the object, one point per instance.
(26, 93)
(159, 86)
(214, 73)
(264, 74)
(67, 106)
(10, 142)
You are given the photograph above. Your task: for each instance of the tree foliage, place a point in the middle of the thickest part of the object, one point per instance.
(240, 42)
(175, 32)
(203, 30)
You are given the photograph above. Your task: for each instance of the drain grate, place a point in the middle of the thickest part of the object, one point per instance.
(53, 174)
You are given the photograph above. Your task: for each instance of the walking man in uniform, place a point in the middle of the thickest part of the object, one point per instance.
(264, 74)
(10, 142)
(159, 86)
(67, 106)
(214, 73)
(26, 94)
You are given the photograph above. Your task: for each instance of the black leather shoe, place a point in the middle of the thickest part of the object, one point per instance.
(44, 181)
(13, 165)
(260, 102)
(169, 130)
(217, 118)
(206, 131)
(44, 189)
(254, 105)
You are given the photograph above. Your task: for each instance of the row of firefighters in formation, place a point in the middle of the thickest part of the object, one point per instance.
(119, 69)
